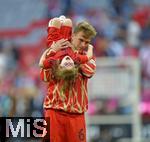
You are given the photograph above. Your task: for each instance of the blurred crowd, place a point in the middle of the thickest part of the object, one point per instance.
(123, 28)
(20, 88)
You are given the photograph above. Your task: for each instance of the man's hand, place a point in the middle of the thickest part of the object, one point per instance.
(60, 44)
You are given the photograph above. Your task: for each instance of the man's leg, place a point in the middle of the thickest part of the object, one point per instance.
(57, 126)
(76, 129)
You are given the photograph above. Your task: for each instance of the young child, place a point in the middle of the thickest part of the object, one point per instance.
(61, 28)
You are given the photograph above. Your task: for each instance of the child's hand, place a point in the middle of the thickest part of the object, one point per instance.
(90, 51)
(90, 46)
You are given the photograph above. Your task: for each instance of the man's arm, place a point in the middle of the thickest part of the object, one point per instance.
(47, 60)
(88, 69)
(47, 52)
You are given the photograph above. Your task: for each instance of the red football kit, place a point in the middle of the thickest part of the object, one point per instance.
(66, 108)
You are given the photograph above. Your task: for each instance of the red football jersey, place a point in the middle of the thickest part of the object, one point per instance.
(74, 99)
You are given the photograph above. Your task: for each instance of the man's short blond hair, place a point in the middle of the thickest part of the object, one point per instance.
(85, 27)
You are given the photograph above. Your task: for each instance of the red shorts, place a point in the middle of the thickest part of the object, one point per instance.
(66, 127)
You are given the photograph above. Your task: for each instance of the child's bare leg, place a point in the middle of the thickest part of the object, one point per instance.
(55, 22)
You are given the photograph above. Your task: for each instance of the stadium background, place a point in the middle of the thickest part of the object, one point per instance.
(123, 31)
